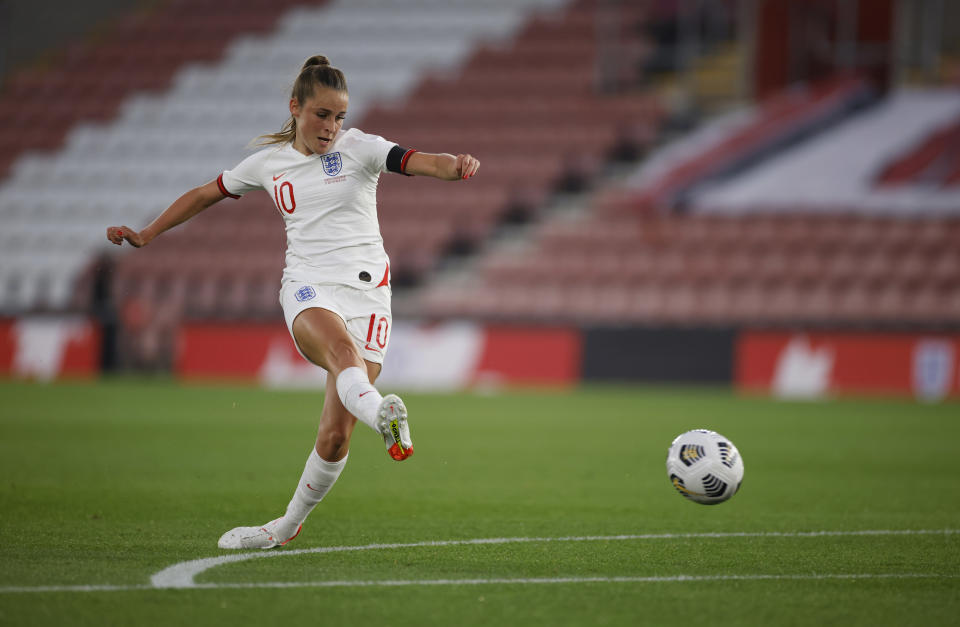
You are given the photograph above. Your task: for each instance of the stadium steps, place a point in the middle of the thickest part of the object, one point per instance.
(717, 79)
(714, 82)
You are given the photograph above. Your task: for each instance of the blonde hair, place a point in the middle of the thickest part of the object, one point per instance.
(316, 72)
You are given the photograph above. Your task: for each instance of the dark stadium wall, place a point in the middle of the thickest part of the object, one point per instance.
(665, 355)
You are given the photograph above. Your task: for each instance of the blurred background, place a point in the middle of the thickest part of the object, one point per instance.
(763, 194)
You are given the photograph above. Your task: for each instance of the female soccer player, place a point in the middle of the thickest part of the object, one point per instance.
(335, 290)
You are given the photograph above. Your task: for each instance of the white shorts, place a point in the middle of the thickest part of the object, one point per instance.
(365, 312)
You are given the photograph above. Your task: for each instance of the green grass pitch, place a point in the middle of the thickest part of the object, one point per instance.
(109, 483)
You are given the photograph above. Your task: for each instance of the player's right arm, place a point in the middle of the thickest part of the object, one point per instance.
(182, 209)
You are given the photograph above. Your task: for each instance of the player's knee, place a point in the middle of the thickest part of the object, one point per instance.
(331, 442)
(344, 354)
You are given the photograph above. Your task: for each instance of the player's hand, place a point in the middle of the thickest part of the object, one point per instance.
(117, 234)
(467, 166)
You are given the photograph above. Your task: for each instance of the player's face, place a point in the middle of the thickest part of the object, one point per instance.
(319, 119)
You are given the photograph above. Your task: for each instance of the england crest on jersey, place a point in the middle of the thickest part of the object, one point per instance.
(332, 163)
(305, 293)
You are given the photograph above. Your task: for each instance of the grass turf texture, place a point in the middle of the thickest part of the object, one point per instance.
(109, 483)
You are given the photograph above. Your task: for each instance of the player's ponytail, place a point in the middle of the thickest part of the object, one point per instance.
(316, 72)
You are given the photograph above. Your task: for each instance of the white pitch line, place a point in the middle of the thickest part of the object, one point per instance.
(393, 583)
(388, 583)
(182, 575)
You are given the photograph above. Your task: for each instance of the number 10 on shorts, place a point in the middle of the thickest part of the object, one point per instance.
(377, 332)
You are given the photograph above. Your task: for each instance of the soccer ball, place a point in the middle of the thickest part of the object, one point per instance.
(704, 466)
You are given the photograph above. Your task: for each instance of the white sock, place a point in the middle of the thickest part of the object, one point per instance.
(359, 396)
(318, 477)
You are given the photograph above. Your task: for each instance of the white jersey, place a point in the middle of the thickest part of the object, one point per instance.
(329, 205)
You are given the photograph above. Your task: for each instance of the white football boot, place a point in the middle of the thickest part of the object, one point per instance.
(264, 537)
(392, 415)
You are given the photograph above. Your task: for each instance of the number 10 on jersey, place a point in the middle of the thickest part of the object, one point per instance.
(378, 332)
(283, 195)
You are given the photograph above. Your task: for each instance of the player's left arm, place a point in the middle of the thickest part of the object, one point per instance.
(442, 166)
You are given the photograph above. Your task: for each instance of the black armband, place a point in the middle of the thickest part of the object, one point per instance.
(397, 159)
